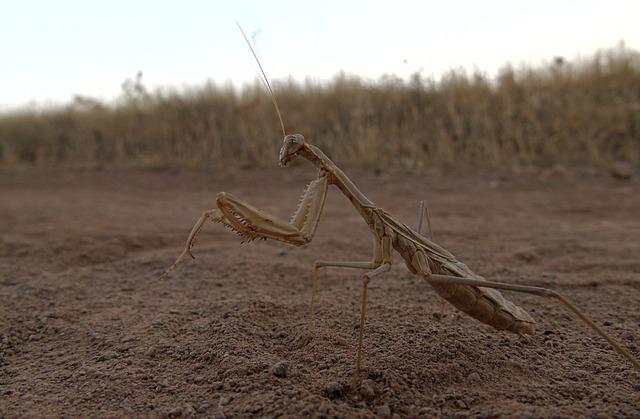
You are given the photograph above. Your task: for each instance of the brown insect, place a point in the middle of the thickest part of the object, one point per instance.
(452, 279)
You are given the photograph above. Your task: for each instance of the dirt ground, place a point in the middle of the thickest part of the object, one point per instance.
(88, 329)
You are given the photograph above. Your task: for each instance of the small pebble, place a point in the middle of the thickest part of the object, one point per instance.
(333, 390)
(107, 355)
(188, 410)
(427, 412)
(474, 377)
(461, 404)
(324, 408)
(367, 389)
(622, 170)
(280, 369)
(384, 411)
(203, 408)
(437, 315)
(175, 412)
(217, 385)
(606, 323)
(292, 392)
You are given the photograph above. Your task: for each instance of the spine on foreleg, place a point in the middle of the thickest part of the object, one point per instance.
(485, 304)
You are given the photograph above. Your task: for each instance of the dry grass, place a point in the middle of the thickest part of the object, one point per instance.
(585, 113)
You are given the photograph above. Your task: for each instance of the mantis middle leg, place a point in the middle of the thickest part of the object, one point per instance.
(385, 267)
(424, 211)
(376, 262)
(381, 264)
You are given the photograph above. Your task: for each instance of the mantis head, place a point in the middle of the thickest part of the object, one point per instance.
(292, 145)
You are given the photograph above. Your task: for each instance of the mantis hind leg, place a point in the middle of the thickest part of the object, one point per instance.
(544, 292)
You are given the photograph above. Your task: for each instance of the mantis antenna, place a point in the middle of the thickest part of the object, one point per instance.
(264, 80)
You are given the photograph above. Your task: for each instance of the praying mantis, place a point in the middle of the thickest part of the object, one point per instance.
(452, 280)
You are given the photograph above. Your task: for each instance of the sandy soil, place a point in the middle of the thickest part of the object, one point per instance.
(87, 328)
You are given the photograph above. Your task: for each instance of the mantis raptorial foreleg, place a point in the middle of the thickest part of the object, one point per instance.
(545, 292)
(213, 214)
(252, 223)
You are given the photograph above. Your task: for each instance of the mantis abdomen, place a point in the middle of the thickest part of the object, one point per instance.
(484, 304)
(487, 305)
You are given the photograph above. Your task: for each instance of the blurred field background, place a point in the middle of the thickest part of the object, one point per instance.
(584, 112)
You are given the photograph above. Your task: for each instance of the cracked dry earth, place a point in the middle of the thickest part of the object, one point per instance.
(88, 329)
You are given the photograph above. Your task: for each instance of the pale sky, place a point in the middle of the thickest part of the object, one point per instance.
(51, 50)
